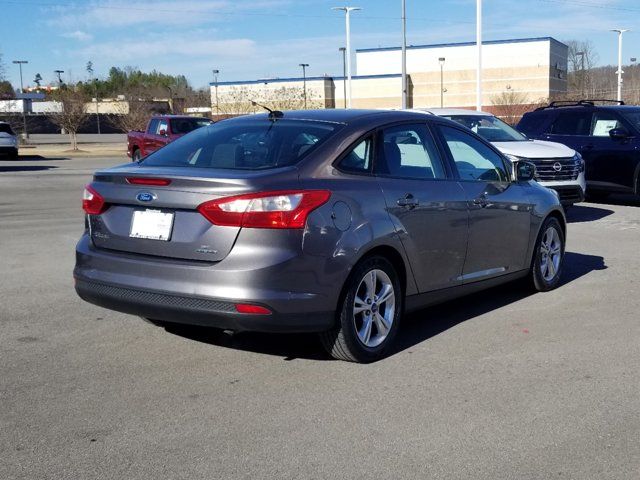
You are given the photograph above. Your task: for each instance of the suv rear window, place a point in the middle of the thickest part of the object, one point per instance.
(6, 128)
(254, 144)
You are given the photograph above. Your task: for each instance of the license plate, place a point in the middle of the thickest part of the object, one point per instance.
(151, 224)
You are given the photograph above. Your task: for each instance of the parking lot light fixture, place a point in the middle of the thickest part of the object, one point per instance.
(347, 11)
(215, 86)
(619, 72)
(24, 115)
(344, 74)
(304, 82)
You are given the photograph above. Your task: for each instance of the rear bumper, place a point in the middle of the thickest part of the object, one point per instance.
(204, 295)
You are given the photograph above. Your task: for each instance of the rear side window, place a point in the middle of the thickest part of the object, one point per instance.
(6, 128)
(474, 160)
(532, 123)
(254, 144)
(572, 123)
(358, 160)
(186, 125)
(409, 151)
(153, 126)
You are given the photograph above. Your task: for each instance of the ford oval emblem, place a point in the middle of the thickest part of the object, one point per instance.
(145, 197)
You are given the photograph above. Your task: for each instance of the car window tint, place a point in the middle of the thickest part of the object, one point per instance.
(474, 159)
(409, 151)
(6, 128)
(602, 123)
(153, 125)
(358, 160)
(572, 123)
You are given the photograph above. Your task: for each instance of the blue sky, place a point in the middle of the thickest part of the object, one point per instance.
(268, 38)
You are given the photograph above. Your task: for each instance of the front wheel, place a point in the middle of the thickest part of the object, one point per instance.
(548, 256)
(369, 313)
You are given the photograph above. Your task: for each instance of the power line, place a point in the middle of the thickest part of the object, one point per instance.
(585, 3)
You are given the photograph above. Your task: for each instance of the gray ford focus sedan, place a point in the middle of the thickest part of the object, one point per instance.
(328, 221)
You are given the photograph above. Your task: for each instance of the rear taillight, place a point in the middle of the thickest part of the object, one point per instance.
(156, 182)
(281, 209)
(92, 202)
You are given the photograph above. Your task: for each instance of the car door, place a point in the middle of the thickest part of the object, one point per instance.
(160, 139)
(499, 209)
(611, 160)
(425, 203)
(149, 136)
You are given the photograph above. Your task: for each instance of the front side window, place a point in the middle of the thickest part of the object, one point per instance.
(162, 125)
(253, 144)
(474, 159)
(409, 151)
(358, 160)
(603, 123)
(572, 123)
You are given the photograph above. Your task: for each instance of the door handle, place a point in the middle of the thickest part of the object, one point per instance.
(481, 200)
(587, 147)
(408, 201)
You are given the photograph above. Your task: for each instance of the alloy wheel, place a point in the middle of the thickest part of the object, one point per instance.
(373, 308)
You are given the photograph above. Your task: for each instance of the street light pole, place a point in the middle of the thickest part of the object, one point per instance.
(619, 31)
(304, 82)
(347, 11)
(215, 86)
(404, 54)
(441, 60)
(344, 74)
(24, 100)
(59, 72)
(479, 48)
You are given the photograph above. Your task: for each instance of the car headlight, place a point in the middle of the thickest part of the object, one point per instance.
(577, 158)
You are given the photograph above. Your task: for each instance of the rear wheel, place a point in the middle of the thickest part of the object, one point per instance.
(369, 313)
(136, 156)
(548, 255)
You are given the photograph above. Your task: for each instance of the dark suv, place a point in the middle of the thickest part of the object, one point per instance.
(607, 137)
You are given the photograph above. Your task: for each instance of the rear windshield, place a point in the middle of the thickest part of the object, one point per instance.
(254, 144)
(6, 128)
(186, 125)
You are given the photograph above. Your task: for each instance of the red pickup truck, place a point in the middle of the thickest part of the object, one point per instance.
(161, 129)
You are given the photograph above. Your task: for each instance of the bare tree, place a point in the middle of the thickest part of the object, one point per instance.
(72, 114)
(237, 100)
(582, 58)
(510, 106)
(131, 115)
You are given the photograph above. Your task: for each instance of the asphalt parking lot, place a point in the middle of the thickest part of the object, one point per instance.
(500, 385)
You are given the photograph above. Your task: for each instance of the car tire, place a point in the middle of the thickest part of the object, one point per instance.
(136, 156)
(369, 313)
(548, 256)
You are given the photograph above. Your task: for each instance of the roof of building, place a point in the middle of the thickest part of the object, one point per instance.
(300, 79)
(463, 44)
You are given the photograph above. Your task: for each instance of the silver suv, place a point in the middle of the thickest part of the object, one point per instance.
(330, 221)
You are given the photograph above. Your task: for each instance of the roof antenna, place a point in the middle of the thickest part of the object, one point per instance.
(273, 114)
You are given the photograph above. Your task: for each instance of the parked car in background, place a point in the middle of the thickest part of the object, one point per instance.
(161, 129)
(330, 221)
(607, 136)
(8, 141)
(557, 167)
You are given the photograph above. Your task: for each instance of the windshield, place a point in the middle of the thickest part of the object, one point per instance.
(633, 116)
(254, 144)
(6, 128)
(186, 125)
(492, 129)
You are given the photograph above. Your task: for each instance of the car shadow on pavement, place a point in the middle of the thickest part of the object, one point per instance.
(620, 199)
(25, 168)
(582, 213)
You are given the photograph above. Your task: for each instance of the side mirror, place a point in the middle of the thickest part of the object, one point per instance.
(618, 133)
(525, 171)
(162, 132)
